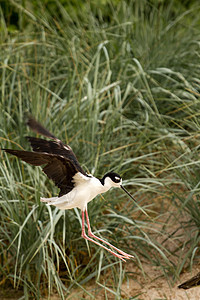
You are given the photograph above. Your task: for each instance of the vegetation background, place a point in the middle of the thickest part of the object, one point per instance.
(118, 81)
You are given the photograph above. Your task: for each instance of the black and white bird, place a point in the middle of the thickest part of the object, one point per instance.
(77, 188)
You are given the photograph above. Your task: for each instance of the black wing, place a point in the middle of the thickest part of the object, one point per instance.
(38, 128)
(53, 146)
(194, 281)
(60, 162)
(58, 168)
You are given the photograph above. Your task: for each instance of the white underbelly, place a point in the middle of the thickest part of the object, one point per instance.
(81, 194)
(78, 197)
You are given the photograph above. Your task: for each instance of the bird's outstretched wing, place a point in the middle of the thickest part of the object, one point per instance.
(194, 281)
(38, 128)
(60, 162)
(56, 167)
(53, 146)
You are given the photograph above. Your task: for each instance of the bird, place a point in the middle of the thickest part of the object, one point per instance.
(192, 282)
(77, 188)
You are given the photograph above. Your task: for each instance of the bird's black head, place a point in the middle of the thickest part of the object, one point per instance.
(116, 178)
(113, 179)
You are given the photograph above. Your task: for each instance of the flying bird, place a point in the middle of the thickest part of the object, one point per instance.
(77, 188)
(192, 282)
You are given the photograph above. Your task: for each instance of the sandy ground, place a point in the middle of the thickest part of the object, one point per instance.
(152, 287)
(159, 288)
(155, 286)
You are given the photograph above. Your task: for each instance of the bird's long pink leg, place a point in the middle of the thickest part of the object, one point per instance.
(91, 234)
(122, 257)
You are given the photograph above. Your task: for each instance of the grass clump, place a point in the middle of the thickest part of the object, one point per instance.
(123, 92)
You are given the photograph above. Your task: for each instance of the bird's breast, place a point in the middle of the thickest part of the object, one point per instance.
(86, 191)
(95, 188)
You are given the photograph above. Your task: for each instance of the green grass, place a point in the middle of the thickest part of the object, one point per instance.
(124, 93)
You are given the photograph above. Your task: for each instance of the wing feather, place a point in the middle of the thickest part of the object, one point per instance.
(58, 168)
(53, 146)
(58, 160)
(38, 128)
(194, 281)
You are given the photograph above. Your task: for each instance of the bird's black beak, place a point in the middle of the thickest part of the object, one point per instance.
(123, 188)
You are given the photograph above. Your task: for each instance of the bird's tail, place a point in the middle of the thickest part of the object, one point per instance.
(49, 201)
(59, 202)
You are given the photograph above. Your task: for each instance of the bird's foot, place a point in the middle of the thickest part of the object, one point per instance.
(121, 254)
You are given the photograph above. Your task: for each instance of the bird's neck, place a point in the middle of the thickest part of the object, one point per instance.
(106, 183)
